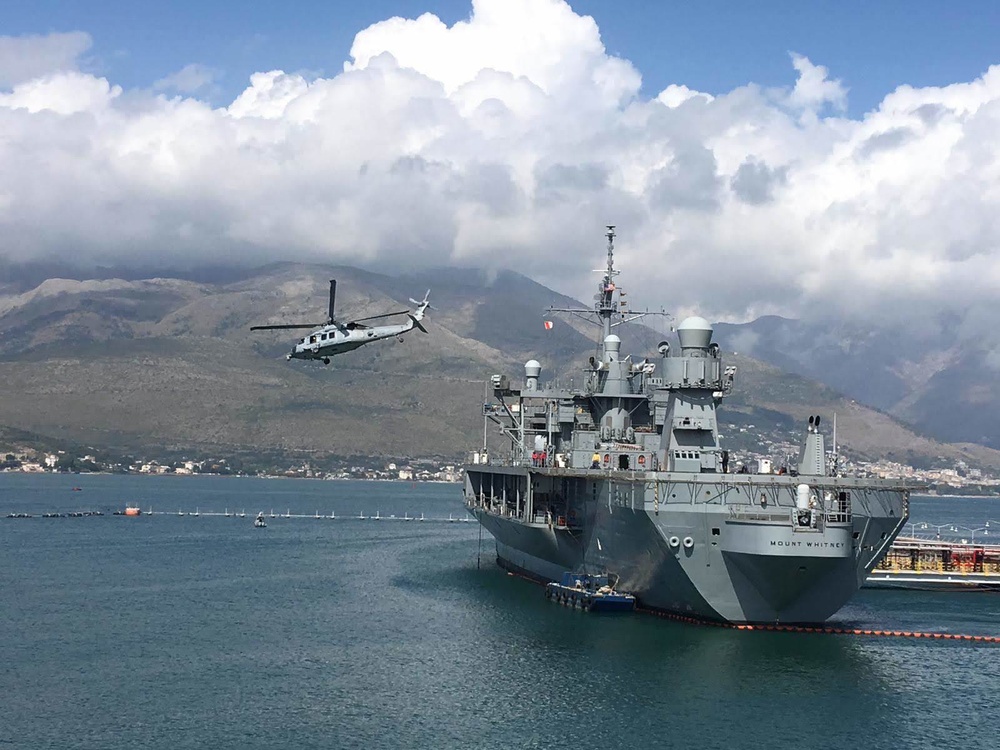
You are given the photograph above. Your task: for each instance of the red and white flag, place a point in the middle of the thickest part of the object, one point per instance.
(548, 325)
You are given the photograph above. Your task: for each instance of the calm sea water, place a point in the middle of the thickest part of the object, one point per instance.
(204, 632)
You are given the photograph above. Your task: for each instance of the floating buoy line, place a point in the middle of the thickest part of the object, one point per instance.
(813, 629)
(135, 511)
(825, 629)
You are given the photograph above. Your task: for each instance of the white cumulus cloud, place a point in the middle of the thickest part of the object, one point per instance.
(509, 140)
(25, 57)
(189, 79)
(62, 93)
(814, 89)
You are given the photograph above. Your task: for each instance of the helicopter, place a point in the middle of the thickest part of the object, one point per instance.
(336, 337)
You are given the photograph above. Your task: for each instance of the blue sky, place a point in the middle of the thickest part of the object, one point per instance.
(711, 46)
(477, 145)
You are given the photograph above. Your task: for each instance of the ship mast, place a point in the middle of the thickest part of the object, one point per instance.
(604, 306)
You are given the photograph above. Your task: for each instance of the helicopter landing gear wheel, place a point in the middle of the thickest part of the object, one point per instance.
(326, 360)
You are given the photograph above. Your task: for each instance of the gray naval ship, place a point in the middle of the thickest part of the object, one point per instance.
(626, 476)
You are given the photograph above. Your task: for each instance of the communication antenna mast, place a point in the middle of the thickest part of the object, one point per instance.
(605, 308)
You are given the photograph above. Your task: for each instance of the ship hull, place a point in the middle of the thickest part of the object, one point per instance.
(719, 548)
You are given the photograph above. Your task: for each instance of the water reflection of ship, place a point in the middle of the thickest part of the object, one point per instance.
(914, 563)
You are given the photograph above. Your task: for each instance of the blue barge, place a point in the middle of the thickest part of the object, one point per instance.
(590, 592)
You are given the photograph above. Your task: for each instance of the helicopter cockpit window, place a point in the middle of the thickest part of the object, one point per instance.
(312, 339)
(324, 337)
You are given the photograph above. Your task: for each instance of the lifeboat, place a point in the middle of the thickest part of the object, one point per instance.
(132, 511)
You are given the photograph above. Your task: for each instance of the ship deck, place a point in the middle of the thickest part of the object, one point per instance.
(744, 480)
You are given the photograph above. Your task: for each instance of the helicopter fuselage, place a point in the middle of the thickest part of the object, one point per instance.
(331, 340)
(337, 337)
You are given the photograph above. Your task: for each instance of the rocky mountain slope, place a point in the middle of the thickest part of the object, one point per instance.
(171, 363)
(932, 379)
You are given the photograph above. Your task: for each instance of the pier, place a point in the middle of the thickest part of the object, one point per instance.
(936, 564)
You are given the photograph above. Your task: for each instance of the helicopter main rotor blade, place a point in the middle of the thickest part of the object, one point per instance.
(383, 315)
(285, 327)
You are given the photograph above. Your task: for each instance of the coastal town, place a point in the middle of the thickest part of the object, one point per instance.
(957, 479)
(417, 470)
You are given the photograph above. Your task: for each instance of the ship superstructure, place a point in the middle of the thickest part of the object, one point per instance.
(626, 475)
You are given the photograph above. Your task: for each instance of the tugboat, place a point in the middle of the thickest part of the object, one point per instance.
(259, 521)
(626, 473)
(589, 592)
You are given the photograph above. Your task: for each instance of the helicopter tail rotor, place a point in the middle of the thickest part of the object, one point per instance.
(423, 304)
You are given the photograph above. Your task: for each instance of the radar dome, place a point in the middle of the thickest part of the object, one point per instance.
(695, 333)
(532, 368)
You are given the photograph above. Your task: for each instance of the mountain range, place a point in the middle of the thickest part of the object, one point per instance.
(929, 378)
(169, 363)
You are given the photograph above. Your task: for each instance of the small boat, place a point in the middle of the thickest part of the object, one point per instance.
(590, 592)
(259, 521)
(132, 511)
